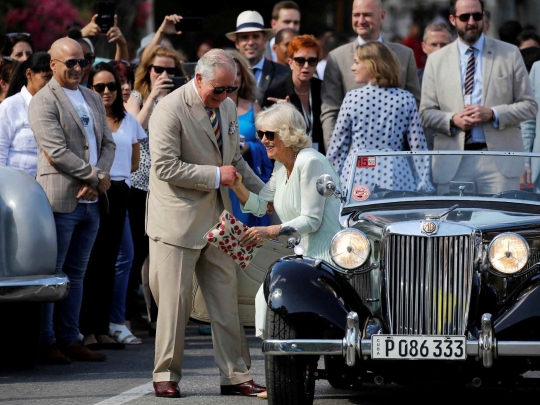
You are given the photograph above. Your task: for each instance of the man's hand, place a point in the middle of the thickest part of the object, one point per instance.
(478, 113)
(167, 26)
(91, 29)
(464, 122)
(87, 192)
(114, 34)
(104, 184)
(227, 175)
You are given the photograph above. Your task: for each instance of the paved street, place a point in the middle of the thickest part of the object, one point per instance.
(126, 378)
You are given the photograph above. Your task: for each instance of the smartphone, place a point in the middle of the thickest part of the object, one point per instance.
(189, 24)
(105, 12)
(178, 81)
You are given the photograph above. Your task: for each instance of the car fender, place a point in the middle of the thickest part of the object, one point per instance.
(520, 319)
(306, 287)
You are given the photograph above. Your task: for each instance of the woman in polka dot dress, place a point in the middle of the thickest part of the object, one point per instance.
(380, 116)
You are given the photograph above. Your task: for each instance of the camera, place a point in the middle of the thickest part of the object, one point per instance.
(105, 12)
(189, 24)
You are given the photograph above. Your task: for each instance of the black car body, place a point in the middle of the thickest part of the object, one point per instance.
(427, 283)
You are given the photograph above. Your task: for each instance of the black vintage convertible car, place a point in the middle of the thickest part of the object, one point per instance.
(431, 279)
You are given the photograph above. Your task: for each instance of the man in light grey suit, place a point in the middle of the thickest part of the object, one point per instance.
(481, 110)
(192, 162)
(367, 18)
(75, 154)
(531, 135)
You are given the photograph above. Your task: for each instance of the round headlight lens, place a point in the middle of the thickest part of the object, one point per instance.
(350, 249)
(508, 253)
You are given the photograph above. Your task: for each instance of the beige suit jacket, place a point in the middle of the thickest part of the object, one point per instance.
(182, 199)
(60, 134)
(339, 80)
(506, 88)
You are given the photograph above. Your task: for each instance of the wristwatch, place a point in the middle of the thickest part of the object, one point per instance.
(100, 175)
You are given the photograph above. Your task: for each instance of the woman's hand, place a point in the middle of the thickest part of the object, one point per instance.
(167, 26)
(92, 29)
(237, 181)
(114, 34)
(287, 99)
(161, 87)
(255, 235)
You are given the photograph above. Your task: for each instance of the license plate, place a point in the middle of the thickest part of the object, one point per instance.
(418, 347)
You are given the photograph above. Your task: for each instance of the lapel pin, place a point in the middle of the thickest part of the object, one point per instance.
(267, 77)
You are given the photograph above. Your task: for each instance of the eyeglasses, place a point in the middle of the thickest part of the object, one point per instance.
(228, 89)
(70, 63)
(91, 57)
(14, 34)
(100, 87)
(6, 61)
(171, 71)
(269, 135)
(465, 17)
(302, 61)
(115, 63)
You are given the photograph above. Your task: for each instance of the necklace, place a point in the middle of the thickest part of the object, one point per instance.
(294, 161)
(301, 94)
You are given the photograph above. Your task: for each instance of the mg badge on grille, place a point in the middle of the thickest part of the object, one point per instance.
(429, 227)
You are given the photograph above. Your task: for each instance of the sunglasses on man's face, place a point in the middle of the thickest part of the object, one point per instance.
(171, 71)
(302, 61)
(269, 135)
(465, 17)
(91, 57)
(100, 87)
(228, 89)
(70, 63)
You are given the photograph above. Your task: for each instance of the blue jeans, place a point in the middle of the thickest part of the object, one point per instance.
(121, 280)
(75, 235)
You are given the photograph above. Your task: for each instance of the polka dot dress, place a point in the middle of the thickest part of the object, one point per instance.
(376, 118)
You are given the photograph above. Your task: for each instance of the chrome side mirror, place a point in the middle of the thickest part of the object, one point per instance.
(327, 187)
(289, 237)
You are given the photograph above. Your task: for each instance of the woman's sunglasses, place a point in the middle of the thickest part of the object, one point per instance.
(465, 17)
(302, 61)
(70, 63)
(228, 89)
(269, 135)
(115, 63)
(171, 71)
(100, 87)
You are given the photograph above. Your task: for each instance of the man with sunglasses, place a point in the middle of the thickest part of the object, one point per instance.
(367, 19)
(475, 93)
(194, 146)
(75, 154)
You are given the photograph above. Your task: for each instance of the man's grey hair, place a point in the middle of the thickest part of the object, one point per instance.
(213, 60)
(436, 27)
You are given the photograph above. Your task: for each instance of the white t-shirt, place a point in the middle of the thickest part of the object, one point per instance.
(87, 118)
(129, 133)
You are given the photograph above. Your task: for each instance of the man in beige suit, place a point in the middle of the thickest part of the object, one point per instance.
(367, 18)
(475, 94)
(75, 154)
(192, 163)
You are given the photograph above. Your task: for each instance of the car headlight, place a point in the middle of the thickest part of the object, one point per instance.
(508, 253)
(350, 249)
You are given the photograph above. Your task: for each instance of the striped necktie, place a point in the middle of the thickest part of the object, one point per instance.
(214, 122)
(469, 84)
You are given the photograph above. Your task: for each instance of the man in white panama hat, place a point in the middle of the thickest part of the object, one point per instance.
(250, 39)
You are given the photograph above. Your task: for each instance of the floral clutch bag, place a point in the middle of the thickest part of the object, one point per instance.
(225, 235)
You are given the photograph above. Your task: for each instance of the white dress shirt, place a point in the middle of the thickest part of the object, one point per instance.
(18, 147)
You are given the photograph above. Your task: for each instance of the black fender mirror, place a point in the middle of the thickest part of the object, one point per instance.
(289, 237)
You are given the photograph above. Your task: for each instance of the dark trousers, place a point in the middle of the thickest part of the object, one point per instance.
(137, 221)
(99, 280)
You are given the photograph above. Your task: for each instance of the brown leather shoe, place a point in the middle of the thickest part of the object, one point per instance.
(167, 389)
(78, 351)
(49, 354)
(248, 388)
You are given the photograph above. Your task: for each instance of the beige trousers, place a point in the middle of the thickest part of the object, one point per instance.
(171, 275)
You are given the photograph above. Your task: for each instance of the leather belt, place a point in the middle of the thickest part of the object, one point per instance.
(475, 146)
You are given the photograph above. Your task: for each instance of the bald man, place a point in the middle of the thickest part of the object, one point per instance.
(75, 154)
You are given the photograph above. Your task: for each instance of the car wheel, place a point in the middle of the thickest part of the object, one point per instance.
(290, 380)
(19, 345)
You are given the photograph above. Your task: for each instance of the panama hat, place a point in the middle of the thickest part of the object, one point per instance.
(250, 21)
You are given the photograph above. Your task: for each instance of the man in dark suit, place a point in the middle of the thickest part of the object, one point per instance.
(367, 18)
(250, 39)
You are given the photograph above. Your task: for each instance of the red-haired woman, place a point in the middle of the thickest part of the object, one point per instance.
(300, 88)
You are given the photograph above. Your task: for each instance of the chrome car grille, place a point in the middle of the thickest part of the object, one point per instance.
(428, 283)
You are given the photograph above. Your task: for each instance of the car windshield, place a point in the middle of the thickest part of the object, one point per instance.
(380, 177)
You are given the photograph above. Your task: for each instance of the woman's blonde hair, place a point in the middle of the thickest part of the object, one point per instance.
(380, 62)
(285, 119)
(248, 90)
(142, 74)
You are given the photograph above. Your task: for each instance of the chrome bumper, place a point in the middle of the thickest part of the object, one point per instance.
(34, 288)
(486, 348)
